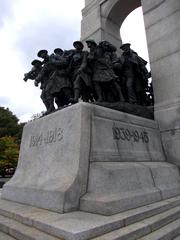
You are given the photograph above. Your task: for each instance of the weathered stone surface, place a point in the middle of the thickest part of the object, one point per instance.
(163, 219)
(53, 164)
(80, 225)
(154, 13)
(22, 232)
(171, 142)
(117, 136)
(4, 236)
(167, 232)
(116, 187)
(56, 151)
(162, 28)
(166, 178)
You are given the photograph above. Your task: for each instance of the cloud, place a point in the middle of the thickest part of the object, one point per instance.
(48, 34)
(4, 101)
(6, 11)
(26, 27)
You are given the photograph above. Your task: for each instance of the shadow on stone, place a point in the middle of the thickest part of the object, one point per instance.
(141, 111)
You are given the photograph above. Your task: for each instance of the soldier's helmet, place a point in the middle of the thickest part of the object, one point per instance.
(36, 62)
(92, 42)
(58, 51)
(125, 46)
(107, 46)
(78, 44)
(42, 53)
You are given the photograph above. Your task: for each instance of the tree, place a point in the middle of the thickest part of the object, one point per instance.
(9, 151)
(9, 125)
(10, 137)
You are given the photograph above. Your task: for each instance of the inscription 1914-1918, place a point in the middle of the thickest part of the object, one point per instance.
(125, 134)
(51, 136)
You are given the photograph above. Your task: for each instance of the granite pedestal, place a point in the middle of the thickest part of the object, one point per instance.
(94, 159)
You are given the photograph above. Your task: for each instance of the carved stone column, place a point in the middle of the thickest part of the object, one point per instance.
(162, 21)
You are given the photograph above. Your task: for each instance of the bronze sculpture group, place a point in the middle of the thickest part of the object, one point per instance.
(95, 76)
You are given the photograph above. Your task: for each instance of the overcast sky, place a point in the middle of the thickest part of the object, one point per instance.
(27, 26)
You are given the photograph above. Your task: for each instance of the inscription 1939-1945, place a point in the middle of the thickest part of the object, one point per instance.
(125, 134)
(51, 136)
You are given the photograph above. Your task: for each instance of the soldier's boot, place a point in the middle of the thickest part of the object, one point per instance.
(49, 103)
(76, 96)
(46, 103)
(99, 93)
(121, 97)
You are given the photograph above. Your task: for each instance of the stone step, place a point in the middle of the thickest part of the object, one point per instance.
(168, 232)
(22, 232)
(177, 238)
(4, 236)
(82, 225)
(144, 227)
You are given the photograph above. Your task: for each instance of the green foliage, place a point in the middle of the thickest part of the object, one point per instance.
(8, 123)
(10, 137)
(9, 151)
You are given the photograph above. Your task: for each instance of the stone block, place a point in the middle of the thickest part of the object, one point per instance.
(163, 219)
(82, 225)
(158, 13)
(163, 28)
(92, 156)
(171, 142)
(166, 83)
(166, 178)
(116, 187)
(167, 232)
(91, 22)
(151, 5)
(121, 137)
(167, 115)
(4, 236)
(163, 44)
(53, 163)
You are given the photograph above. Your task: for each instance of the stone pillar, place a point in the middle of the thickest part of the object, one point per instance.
(95, 25)
(162, 22)
(102, 19)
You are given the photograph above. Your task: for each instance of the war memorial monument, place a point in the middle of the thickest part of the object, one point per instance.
(102, 163)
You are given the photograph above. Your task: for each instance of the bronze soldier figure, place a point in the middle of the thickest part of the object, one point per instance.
(134, 74)
(80, 77)
(104, 78)
(37, 67)
(59, 86)
(94, 76)
(43, 78)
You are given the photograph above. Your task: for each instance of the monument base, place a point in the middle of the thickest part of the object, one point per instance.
(115, 187)
(160, 220)
(94, 159)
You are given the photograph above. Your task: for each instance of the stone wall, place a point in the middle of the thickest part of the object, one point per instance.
(162, 20)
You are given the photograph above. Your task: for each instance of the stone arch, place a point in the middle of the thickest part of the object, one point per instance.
(102, 19)
(117, 10)
(114, 12)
